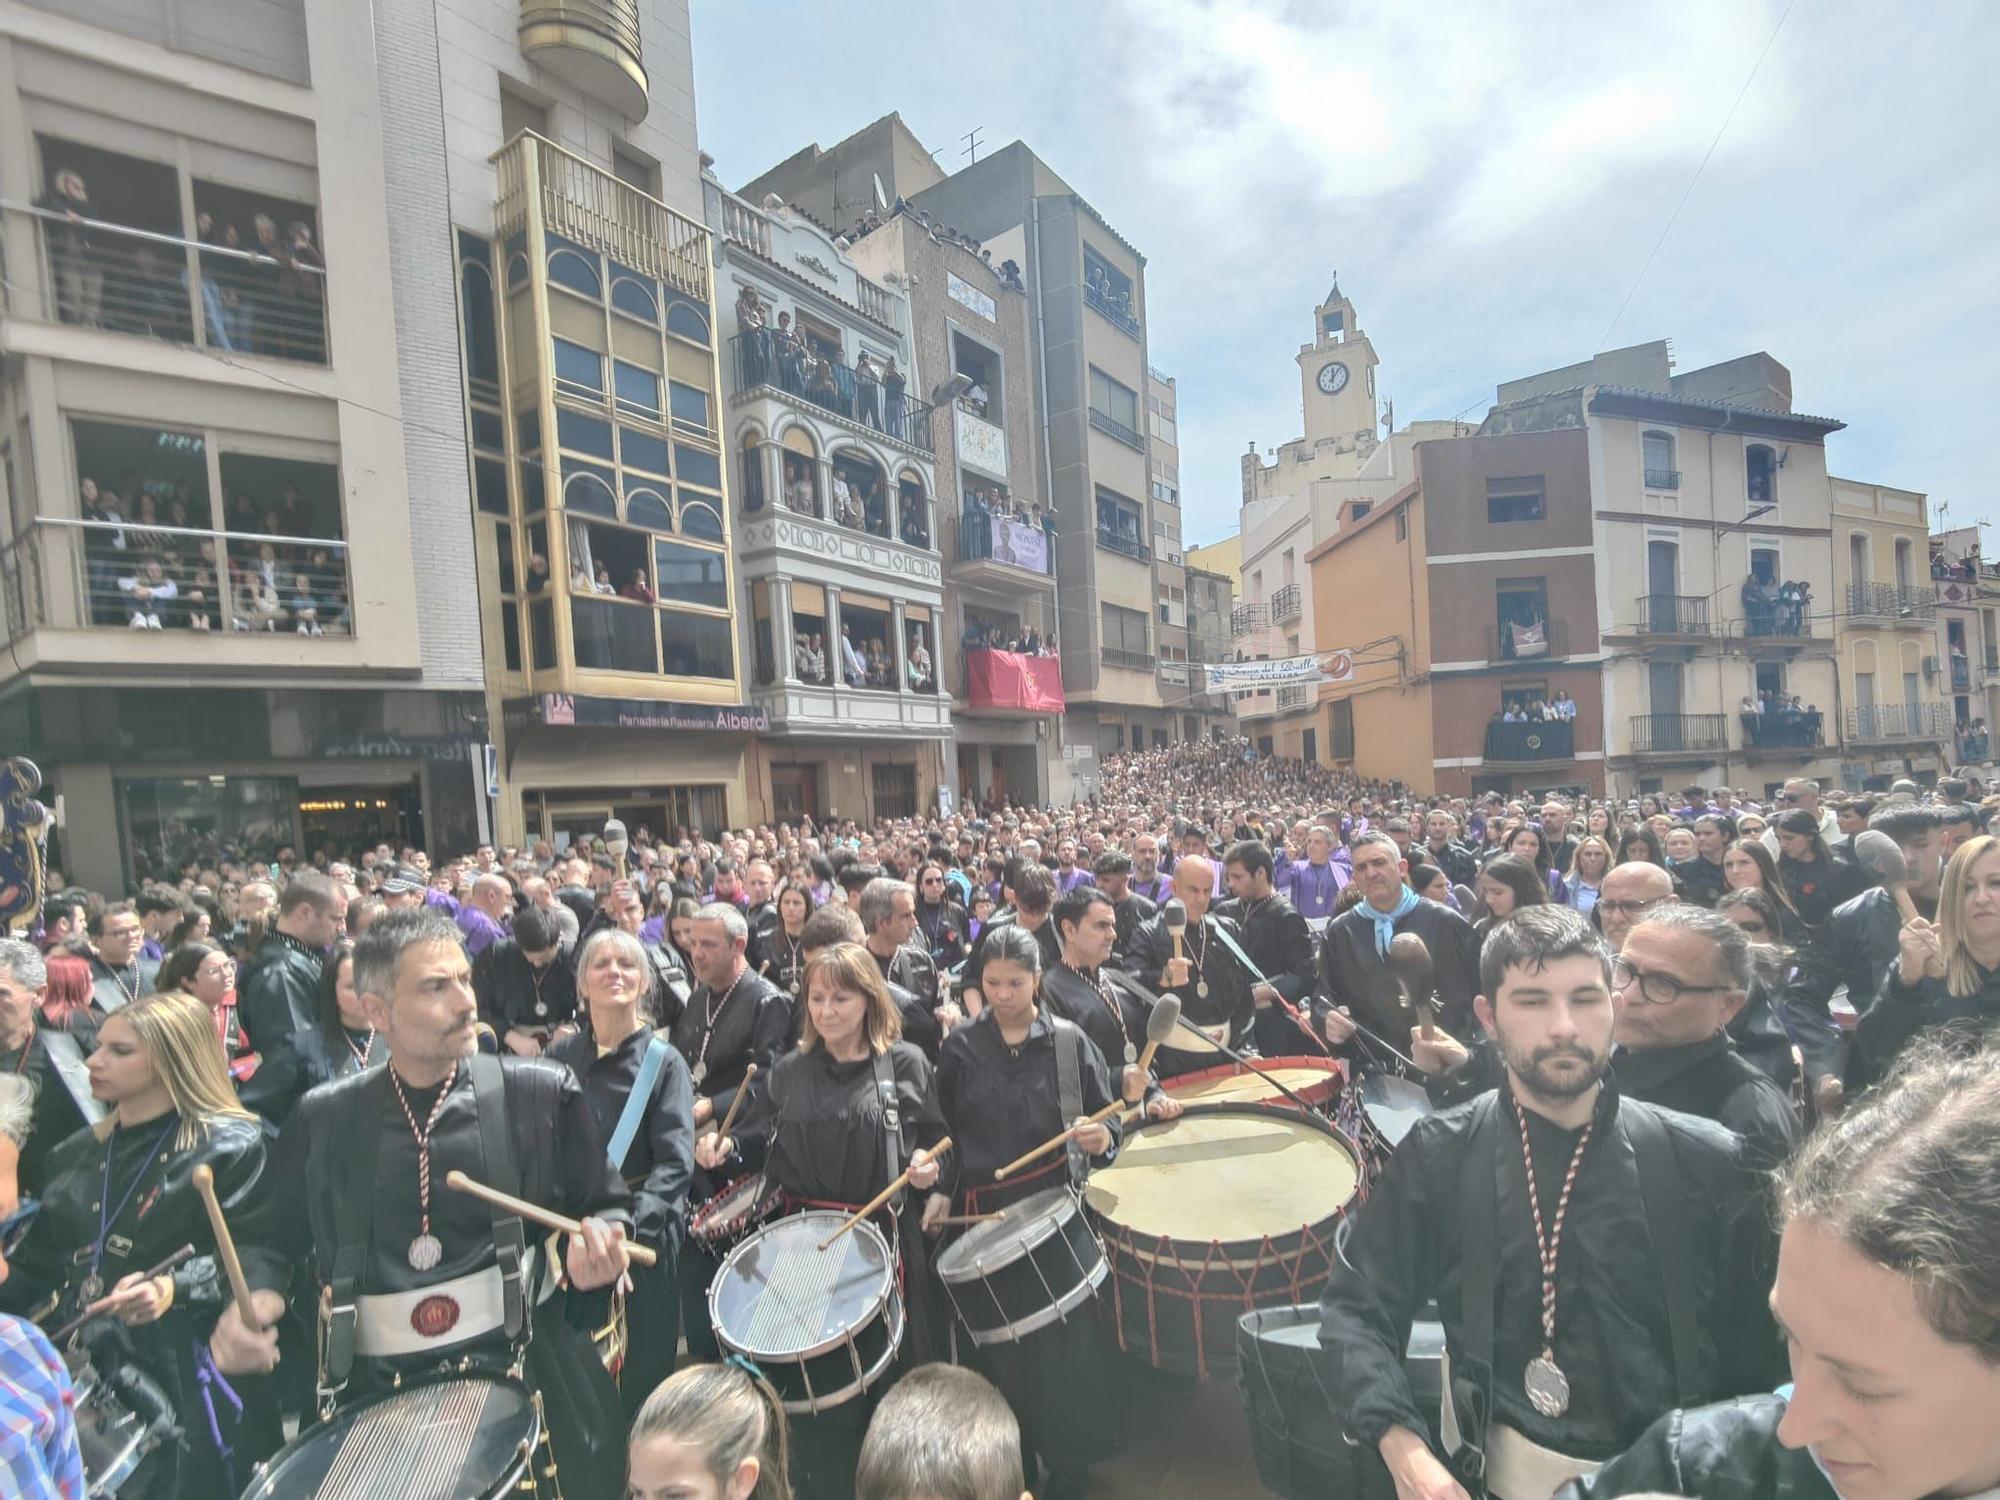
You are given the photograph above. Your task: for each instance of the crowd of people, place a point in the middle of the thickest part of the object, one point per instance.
(1536, 710)
(1638, 1014)
(1771, 607)
(148, 564)
(872, 391)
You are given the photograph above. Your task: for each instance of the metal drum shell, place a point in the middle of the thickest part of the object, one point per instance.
(995, 1299)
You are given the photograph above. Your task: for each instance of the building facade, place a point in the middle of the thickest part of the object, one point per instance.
(1895, 721)
(832, 440)
(235, 594)
(1966, 667)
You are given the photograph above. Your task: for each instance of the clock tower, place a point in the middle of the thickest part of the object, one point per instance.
(1337, 380)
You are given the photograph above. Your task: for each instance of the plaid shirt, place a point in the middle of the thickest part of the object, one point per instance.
(39, 1457)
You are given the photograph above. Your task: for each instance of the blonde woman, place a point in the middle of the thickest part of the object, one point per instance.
(1947, 972)
(121, 1199)
(1587, 868)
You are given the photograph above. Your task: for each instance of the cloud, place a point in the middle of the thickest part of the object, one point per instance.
(1487, 179)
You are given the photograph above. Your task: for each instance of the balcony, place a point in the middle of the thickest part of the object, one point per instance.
(1004, 551)
(814, 543)
(1285, 604)
(1246, 618)
(751, 228)
(1777, 622)
(95, 575)
(1886, 723)
(1124, 544)
(1013, 681)
(1784, 730)
(1112, 307)
(582, 202)
(97, 274)
(1675, 615)
(1551, 739)
(1663, 479)
(1679, 734)
(593, 44)
(1106, 423)
(1118, 656)
(1891, 603)
(759, 362)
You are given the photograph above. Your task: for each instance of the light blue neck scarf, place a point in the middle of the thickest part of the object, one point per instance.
(1385, 922)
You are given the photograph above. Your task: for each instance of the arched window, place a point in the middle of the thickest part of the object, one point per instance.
(1661, 471)
(584, 491)
(860, 492)
(913, 511)
(482, 338)
(635, 299)
(701, 521)
(750, 480)
(572, 268)
(683, 319)
(649, 508)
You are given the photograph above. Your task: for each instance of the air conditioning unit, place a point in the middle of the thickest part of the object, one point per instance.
(1930, 668)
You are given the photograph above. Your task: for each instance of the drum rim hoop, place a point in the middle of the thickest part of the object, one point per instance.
(1043, 1232)
(891, 1300)
(1035, 1322)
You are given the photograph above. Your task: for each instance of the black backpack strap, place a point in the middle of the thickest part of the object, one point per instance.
(1666, 1225)
(502, 1171)
(353, 1218)
(1478, 1257)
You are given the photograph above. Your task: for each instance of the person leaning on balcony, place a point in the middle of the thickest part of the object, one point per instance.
(893, 386)
(867, 391)
(74, 252)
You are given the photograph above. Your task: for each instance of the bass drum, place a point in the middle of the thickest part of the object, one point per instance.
(1314, 1079)
(468, 1437)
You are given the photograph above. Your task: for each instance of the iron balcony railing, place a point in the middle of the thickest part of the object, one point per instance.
(1123, 544)
(1295, 695)
(1286, 603)
(268, 301)
(1784, 730)
(1116, 310)
(1663, 479)
(1899, 721)
(123, 576)
(1666, 734)
(1245, 618)
(1106, 423)
(1672, 614)
(759, 358)
(1117, 656)
(1891, 601)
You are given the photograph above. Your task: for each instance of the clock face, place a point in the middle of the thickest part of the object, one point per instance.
(1333, 378)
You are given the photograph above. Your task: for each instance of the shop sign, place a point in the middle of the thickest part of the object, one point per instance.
(569, 710)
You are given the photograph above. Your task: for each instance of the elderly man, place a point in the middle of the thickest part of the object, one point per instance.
(49, 1059)
(279, 989)
(1213, 984)
(1803, 794)
(1355, 984)
(1628, 892)
(483, 914)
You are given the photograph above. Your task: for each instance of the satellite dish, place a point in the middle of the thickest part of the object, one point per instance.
(881, 198)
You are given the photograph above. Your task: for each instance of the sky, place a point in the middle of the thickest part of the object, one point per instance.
(1491, 181)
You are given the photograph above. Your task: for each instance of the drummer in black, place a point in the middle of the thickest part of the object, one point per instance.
(1590, 1255)
(1085, 990)
(1275, 939)
(526, 983)
(1005, 1087)
(418, 1277)
(637, 1088)
(1213, 985)
(819, 1125)
(120, 1199)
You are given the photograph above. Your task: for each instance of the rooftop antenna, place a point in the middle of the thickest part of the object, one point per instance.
(971, 139)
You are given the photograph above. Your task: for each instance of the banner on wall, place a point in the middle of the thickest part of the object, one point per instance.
(1286, 671)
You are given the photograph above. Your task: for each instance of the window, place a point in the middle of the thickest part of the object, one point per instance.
(1764, 564)
(691, 575)
(1166, 493)
(690, 405)
(1309, 746)
(518, 113)
(1120, 524)
(1760, 475)
(642, 451)
(1657, 450)
(635, 170)
(574, 267)
(1403, 523)
(866, 655)
(697, 645)
(1903, 564)
(1521, 607)
(1340, 731)
(1110, 291)
(1114, 409)
(981, 366)
(1509, 500)
(895, 790)
(578, 371)
(638, 389)
(751, 480)
(1125, 636)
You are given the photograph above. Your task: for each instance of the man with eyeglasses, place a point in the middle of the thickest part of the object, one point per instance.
(1683, 975)
(1630, 891)
(1595, 1252)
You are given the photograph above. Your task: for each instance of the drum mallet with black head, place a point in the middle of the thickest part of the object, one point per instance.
(1159, 1026)
(1416, 979)
(1882, 857)
(225, 1246)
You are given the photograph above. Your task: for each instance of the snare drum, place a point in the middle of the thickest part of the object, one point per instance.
(823, 1325)
(466, 1437)
(114, 1438)
(735, 1211)
(1032, 1267)
(1314, 1079)
(1230, 1207)
(1188, 1051)
(1389, 1107)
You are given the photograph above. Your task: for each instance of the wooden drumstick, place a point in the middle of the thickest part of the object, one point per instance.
(105, 1303)
(735, 1104)
(886, 1194)
(1160, 1024)
(534, 1213)
(225, 1246)
(952, 1221)
(1056, 1140)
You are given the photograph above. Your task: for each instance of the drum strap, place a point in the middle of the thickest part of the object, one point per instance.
(354, 1216)
(1478, 1249)
(892, 1118)
(637, 1100)
(496, 1150)
(1069, 1084)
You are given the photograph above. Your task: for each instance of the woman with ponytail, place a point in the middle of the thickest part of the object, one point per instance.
(711, 1432)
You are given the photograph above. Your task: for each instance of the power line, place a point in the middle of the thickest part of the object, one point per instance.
(1674, 218)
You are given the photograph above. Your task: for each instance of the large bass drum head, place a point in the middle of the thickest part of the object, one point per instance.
(780, 1297)
(462, 1439)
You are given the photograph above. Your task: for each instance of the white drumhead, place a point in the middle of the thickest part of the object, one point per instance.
(1224, 1176)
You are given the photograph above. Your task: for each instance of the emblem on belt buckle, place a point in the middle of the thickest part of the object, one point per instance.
(435, 1316)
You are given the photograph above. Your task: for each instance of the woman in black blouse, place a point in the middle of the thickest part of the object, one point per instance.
(784, 951)
(998, 1088)
(616, 1056)
(815, 1125)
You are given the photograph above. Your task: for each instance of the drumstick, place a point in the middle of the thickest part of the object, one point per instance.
(735, 1104)
(225, 1246)
(886, 1194)
(1056, 1140)
(534, 1213)
(103, 1304)
(952, 1220)
(1174, 917)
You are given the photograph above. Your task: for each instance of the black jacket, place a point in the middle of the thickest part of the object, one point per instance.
(659, 1163)
(1410, 1239)
(1209, 959)
(1855, 947)
(1729, 1451)
(1277, 941)
(752, 1023)
(1460, 865)
(1353, 974)
(513, 992)
(63, 1102)
(1816, 888)
(1133, 913)
(1712, 1080)
(1044, 936)
(1904, 1012)
(942, 928)
(279, 992)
